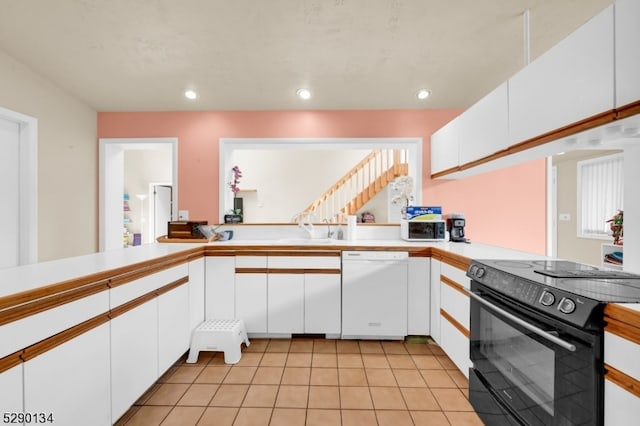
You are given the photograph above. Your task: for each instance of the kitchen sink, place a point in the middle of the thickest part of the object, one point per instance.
(307, 241)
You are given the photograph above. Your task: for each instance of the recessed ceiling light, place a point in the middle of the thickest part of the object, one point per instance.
(190, 94)
(304, 94)
(423, 94)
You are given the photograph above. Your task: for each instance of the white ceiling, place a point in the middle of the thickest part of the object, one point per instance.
(133, 55)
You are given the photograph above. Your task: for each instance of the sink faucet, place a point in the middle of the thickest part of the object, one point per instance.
(329, 233)
(304, 221)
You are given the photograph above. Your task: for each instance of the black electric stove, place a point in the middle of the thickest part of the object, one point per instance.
(569, 291)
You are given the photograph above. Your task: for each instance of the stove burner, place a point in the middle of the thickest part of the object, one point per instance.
(513, 264)
(563, 265)
(579, 273)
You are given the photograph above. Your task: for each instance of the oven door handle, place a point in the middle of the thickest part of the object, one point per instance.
(540, 332)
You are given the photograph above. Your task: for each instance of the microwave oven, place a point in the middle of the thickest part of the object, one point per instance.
(423, 230)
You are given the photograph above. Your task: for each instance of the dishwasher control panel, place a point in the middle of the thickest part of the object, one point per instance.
(374, 255)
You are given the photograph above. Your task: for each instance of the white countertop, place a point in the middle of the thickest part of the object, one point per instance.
(27, 277)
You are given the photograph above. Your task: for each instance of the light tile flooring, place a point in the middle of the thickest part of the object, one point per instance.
(312, 382)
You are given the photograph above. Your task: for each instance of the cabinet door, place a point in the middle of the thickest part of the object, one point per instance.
(570, 82)
(418, 303)
(196, 293)
(627, 48)
(71, 381)
(173, 326)
(434, 313)
(11, 390)
(134, 355)
(251, 301)
(220, 289)
(484, 127)
(322, 304)
(444, 147)
(285, 303)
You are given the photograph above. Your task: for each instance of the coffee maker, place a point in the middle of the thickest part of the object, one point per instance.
(455, 226)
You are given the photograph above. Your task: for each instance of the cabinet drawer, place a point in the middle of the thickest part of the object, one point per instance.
(455, 304)
(304, 262)
(251, 261)
(129, 291)
(455, 274)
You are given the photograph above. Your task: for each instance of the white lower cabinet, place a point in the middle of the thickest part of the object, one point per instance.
(454, 316)
(173, 326)
(11, 390)
(322, 304)
(196, 292)
(71, 381)
(418, 303)
(285, 303)
(134, 355)
(220, 272)
(251, 301)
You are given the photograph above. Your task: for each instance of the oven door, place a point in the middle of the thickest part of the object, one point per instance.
(531, 369)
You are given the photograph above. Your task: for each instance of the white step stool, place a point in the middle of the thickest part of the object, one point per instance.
(220, 336)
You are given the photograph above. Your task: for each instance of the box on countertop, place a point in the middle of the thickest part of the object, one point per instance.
(424, 213)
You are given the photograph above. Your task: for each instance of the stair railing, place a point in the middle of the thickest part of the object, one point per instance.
(360, 184)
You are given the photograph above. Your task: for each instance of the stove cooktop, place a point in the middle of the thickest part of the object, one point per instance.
(588, 281)
(572, 292)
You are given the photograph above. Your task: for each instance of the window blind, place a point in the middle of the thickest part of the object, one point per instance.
(600, 194)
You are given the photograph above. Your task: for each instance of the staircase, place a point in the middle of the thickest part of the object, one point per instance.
(360, 184)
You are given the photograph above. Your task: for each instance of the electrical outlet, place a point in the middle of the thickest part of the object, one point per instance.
(183, 214)
(565, 217)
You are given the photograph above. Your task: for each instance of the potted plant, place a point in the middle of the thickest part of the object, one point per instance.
(235, 215)
(616, 224)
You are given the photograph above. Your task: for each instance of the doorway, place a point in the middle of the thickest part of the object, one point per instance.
(112, 153)
(18, 184)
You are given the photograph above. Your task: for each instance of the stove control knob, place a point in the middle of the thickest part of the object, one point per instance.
(473, 269)
(547, 298)
(480, 272)
(566, 305)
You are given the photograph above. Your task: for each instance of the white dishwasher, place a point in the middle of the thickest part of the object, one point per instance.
(374, 294)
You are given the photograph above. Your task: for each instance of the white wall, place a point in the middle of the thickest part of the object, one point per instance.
(142, 167)
(67, 160)
(278, 195)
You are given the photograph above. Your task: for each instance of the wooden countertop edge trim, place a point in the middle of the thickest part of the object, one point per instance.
(453, 284)
(455, 260)
(559, 133)
(461, 328)
(149, 266)
(307, 250)
(28, 309)
(626, 382)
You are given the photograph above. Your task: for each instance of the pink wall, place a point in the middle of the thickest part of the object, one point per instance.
(516, 196)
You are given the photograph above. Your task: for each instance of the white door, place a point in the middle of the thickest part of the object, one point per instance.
(10, 190)
(162, 210)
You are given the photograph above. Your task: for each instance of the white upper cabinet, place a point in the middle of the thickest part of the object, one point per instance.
(444, 147)
(484, 128)
(627, 51)
(572, 81)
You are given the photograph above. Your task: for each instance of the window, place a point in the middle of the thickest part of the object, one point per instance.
(600, 194)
